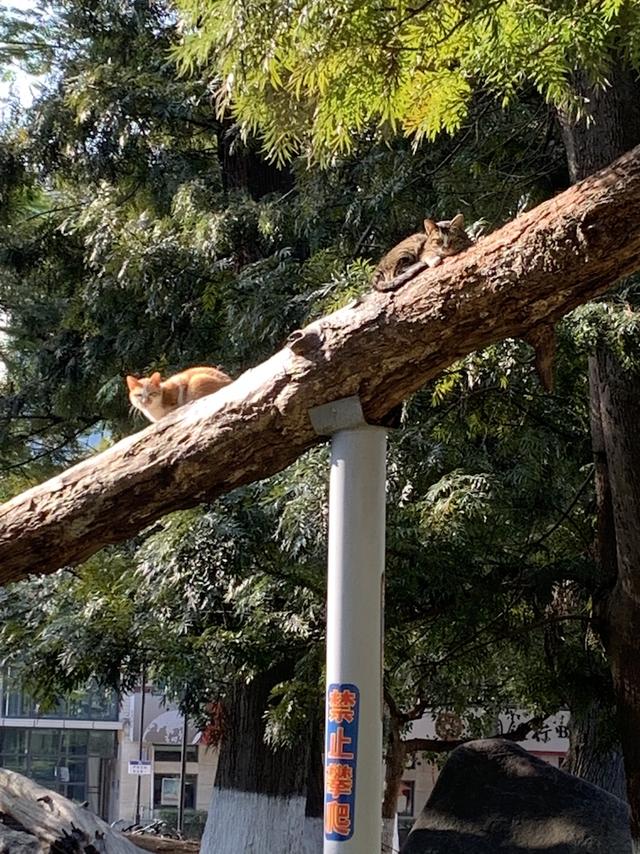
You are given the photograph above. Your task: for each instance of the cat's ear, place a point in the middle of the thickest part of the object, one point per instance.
(155, 378)
(132, 383)
(457, 221)
(430, 226)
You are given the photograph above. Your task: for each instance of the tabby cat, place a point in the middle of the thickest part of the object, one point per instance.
(438, 241)
(155, 398)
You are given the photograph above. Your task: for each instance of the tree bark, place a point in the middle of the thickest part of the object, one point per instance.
(259, 799)
(611, 127)
(243, 168)
(619, 393)
(594, 755)
(531, 272)
(610, 124)
(395, 762)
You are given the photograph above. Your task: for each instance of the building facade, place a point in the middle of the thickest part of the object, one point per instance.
(161, 748)
(82, 749)
(72, 748)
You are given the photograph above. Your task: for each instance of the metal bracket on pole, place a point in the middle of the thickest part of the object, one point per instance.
(343, 414)
(353, 741)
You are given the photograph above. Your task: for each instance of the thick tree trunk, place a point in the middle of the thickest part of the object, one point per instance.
(527, 274)
(390, 838)
(613, 126)
(610, 124)
(259, 799)
(593, 754)
(619, 394)
(244, 168)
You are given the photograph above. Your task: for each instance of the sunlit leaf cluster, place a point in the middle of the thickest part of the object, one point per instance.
(316, 76)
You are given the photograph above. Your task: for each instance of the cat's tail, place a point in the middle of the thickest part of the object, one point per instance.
(381, 282)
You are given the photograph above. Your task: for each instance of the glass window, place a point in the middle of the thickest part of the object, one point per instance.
(166, 790)
(102, 743)
(405, 798)
(76, 793)
(93, 703)
(15, 703)
(14, 763)
(43, 771)
(13, 741)
(173, 753)
(75, 742)
(45, 742)
(77, 771)
(60, 759)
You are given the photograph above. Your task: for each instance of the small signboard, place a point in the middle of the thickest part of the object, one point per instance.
(139, 767)
(340, 761)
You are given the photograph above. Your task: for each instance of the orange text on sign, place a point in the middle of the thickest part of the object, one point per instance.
(338, 779)
(342, 705)
(338, 742)
(337, 818)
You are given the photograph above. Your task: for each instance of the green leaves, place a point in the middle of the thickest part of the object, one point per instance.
(140, 230)
(312, 78)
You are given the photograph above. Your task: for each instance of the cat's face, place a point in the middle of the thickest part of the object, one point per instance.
(145, 393)
(448, 236)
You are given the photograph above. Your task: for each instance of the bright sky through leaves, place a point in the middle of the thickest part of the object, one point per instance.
(13, 80)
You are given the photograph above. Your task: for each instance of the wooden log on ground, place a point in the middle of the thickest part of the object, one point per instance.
(513, 283)
(161, 845)
(35, 820)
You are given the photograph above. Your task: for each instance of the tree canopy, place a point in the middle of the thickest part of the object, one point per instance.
(316, 77)
(140, 229)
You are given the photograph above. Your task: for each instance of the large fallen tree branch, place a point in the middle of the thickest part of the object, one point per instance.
(514, 282)
(35, 820)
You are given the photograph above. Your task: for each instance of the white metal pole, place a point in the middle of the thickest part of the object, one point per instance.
(353, 742)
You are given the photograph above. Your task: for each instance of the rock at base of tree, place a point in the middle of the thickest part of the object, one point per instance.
(492, 795)
(35, 820)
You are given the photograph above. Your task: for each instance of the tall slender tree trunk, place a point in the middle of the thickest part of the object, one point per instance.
(619, 392)
(259, 801)
(394, 769)
(593, 754)
(613, 127)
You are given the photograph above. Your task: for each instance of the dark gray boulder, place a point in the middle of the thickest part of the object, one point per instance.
(493, 797)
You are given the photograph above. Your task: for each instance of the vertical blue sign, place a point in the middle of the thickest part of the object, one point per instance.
(341, 758)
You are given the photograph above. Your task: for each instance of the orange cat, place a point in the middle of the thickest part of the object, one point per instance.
(155, 398)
